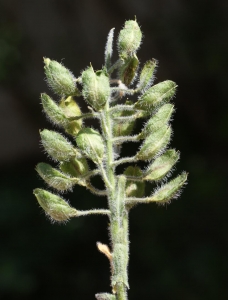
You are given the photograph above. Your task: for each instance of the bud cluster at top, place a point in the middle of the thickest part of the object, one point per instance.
(107, 93)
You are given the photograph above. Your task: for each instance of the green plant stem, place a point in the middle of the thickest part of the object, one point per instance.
(118, 215)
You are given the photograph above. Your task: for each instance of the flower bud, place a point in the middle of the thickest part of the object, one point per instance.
(161, 118)
(95, 87)
(169, 190)
(75, 167)
(134, 188)
(59, 78)
(123, 128)
(91, 143)
(127, 71)
(54, 178)
(154, 143)
(53, 111)
(157, 94)
(54, 206)
(146, 75)
(57, 146)
(161, 166)
(71, 110)
(129, 39)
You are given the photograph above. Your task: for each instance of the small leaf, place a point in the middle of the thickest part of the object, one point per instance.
(127, 70)
(161, 166)
(95, 87)
(129, 39)
(169, 190)
(134, 188)
(160, 118)
(146, 75)
(54, 206)
(154, 143)
(59, 78)
(57, 146)
(157, 94)
(54, 178)
(91, 143)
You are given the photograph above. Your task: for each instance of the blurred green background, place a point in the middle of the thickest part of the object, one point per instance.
(177, 252)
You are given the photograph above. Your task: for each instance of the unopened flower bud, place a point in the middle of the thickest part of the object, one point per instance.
(129, 39)
(95, 87)
(54, 206)
(161, 166)
(134, 188)
(146, 76)
(57, 146)
(127, 71)
(91, 143)
(71, 110)
(54, 178)
(161, 118)
(75, 167)
(123, 128)
(169, 190)
(59, 78)
(53, 111)
(157, 94)
(154, 143)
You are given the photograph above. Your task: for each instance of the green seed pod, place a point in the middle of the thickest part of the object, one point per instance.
(54, 178)
(59, 78)
(161, 166)
(134, 188)
(95, 87)
(157, 94)
(129, 39)
(159, 119)
(105, 296)
(54, 206)
(75, 167)
(154, 143)
(169, 190)
(53, 111)
(127, 71)
(71, 110)
(57, 146)
(146, 75)
(91, 143)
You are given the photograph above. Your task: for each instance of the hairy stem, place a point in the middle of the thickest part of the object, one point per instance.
(118, 215)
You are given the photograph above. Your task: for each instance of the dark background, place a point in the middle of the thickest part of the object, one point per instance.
(177, 252)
